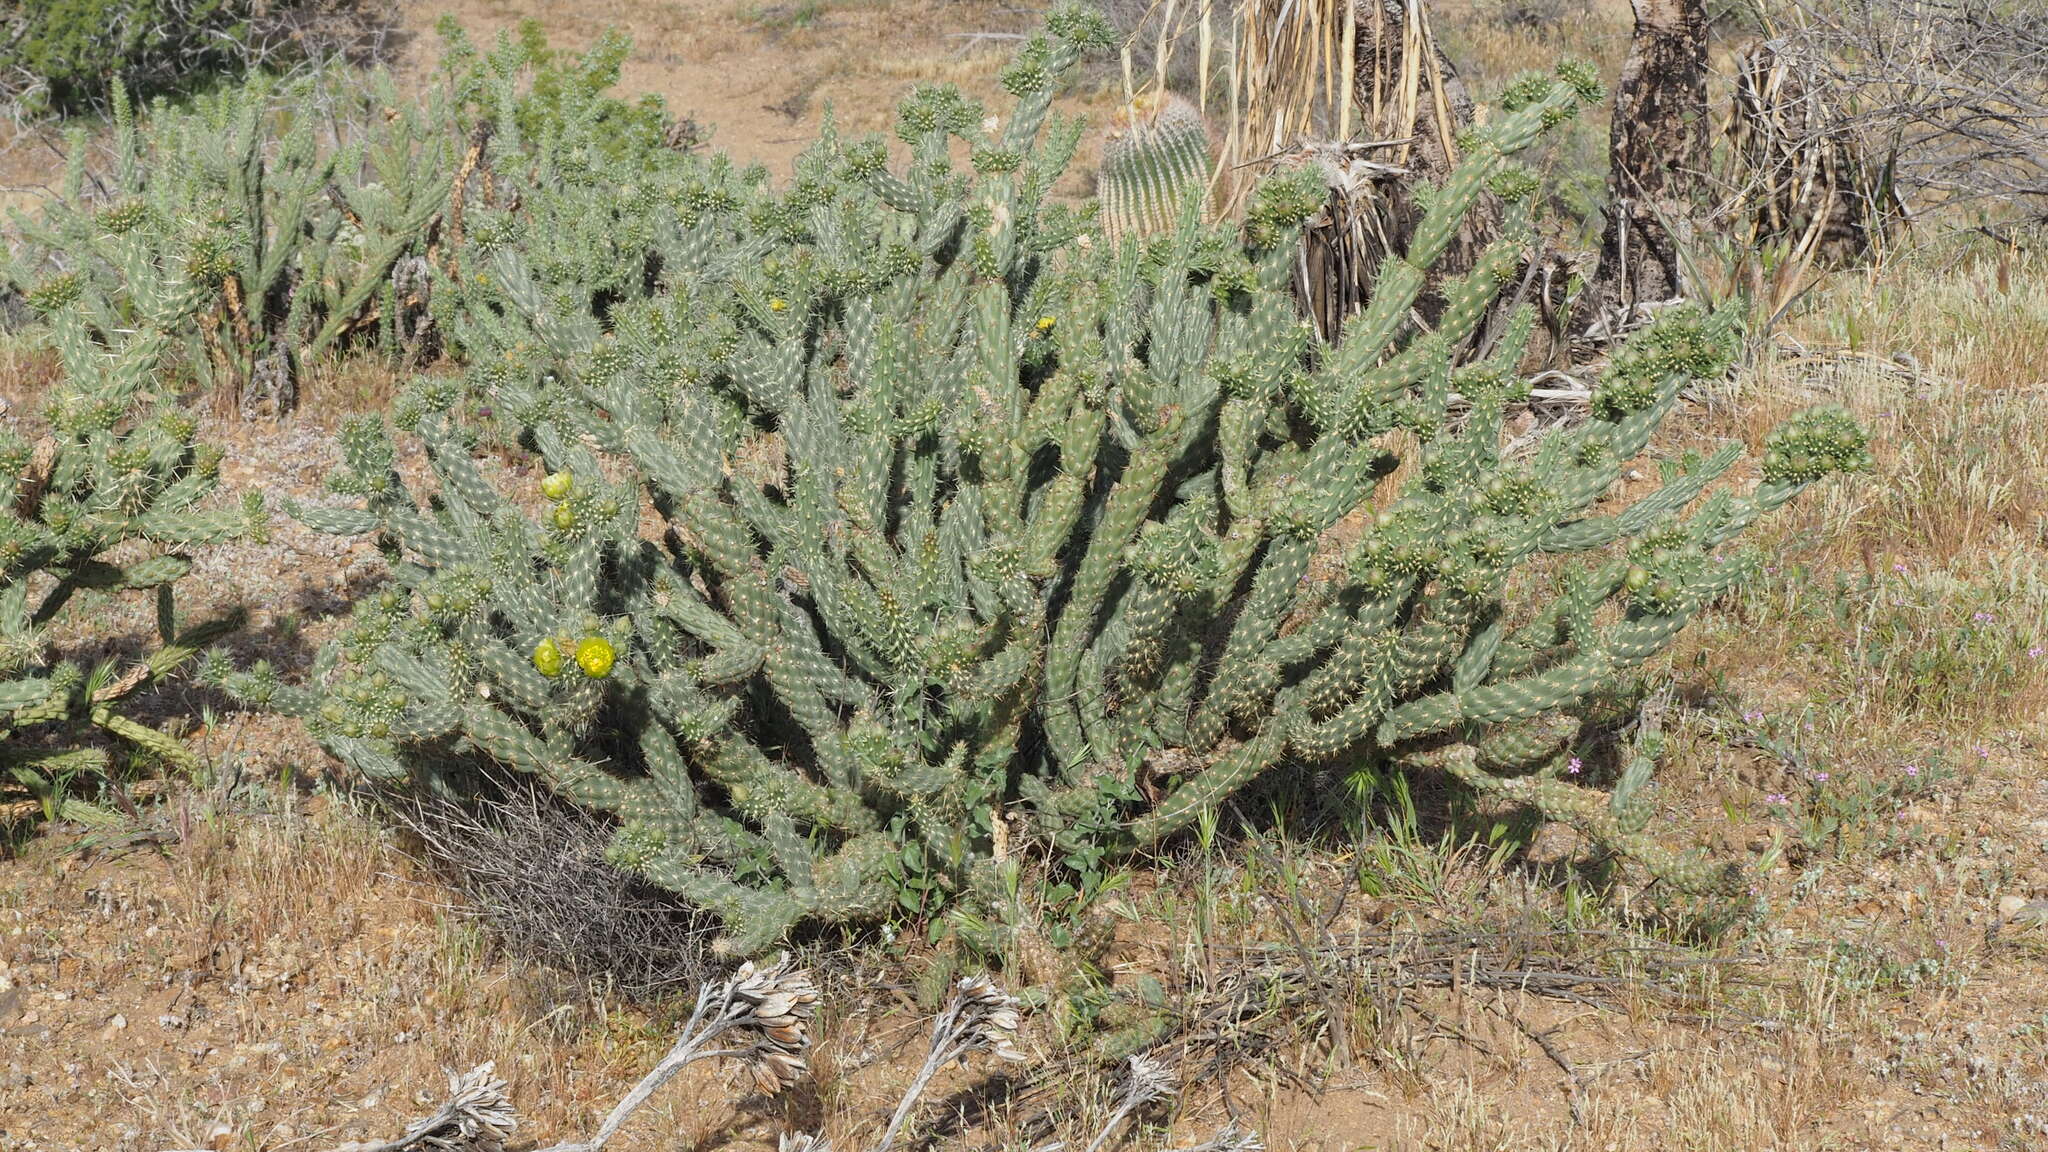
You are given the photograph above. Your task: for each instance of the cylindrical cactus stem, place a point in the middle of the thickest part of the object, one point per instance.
(1211, 785)
(1121, 516)
(1591, 813)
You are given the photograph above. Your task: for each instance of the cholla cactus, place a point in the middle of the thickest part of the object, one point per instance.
(117, 467)
(285, 247)
(895, 499)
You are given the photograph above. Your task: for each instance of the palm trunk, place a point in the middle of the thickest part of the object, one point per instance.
(1658, 151)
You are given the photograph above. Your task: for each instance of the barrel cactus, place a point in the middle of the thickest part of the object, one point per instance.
(1156, 164)
(894, 515)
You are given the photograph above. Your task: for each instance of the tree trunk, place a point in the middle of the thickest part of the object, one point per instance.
(1403, 88)
(1658, 151)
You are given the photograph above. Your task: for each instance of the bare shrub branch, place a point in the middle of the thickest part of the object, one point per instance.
(533, 871)
(1955, 90)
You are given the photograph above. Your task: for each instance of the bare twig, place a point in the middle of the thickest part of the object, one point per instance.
(1956, 93)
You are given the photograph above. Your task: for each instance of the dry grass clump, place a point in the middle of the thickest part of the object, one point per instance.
(1935, 598)
(249, 970)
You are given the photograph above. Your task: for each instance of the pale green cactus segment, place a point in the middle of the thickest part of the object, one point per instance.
(1596, 815)
(117, 472)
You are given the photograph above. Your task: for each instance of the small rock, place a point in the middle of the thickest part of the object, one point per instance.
(2023, 913)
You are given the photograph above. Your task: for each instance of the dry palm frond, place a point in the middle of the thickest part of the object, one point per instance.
(1146, 1081)
(1315, 71)
(762, 1017)
(476, 1118)
(1358, 87)
(1363, 87)
(1360, 226)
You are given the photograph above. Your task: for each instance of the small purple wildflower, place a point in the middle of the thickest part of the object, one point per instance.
(1574, 766)
(1982, 617)
(1912, 769)
(2036, 652)
(1777, 798)
(1753, 716)
(1821, 776)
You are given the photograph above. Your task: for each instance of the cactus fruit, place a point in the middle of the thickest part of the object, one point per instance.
(1155, 166)
(987, 528)
(547, 658)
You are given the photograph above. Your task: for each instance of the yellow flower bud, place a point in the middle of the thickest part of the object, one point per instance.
(547, 658)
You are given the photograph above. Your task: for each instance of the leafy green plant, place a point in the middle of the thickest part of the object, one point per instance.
(894, 524)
